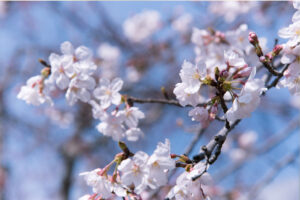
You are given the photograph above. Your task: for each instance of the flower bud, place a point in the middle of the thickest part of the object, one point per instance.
(277, 49)
(262, 59)
(253, 38)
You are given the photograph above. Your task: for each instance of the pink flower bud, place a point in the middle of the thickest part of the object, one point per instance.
(253, 38)
(262, 59)
(277, 49)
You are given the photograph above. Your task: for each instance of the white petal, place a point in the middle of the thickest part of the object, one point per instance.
(66, 48)
(117, 84)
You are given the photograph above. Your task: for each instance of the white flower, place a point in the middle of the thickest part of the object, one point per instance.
(292, 82)
(292, 32)
(291, 79)
(112, 126)
(133, 134)
(108, 92)
(134, 171)
(132, 74)
(183, 23)
(246, 140)
(181, 191)
(192, 75)
(108, 52)
(98, 111)
(85, 67)
(101, 185)
(201, 115)
(296, 16)
(142, 25)
(248, 100)
(35, 91)
(79, 89)
(131, 116)
(231, 10)
(61, 70)
(158, 165)
(185, 188)
(186, 98)
(79, 54)
(201, 37)
(234, 60)
(237, 154)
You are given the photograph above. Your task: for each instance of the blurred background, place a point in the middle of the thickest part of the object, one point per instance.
(43, 149)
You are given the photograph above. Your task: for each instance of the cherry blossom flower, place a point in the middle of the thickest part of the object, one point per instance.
(35, 91)
(61, 70)
(247, 139)
(158, 164)
(237, 154)
(97, 110)
(234, 60)
(79, 88)
(192, 75)
(185, 98)
(231, 10)
(134, 171)
(81, 53)
(291, 79)
(112, 126)
(296, 16)
(201, 115)
(183, 23)
(133, 134)
(131, 116)
(108, 92)
(100, 184)
(186, 188)
(248, 100)
(142, 25)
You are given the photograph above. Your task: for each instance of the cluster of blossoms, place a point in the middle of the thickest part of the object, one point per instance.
(73, 72)
(225, 67)
(142, 25)
(132, 175)
(188, 186)
(225, 83)
(211, 44)
(182, 24)
(231, 10)
(291, 53)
